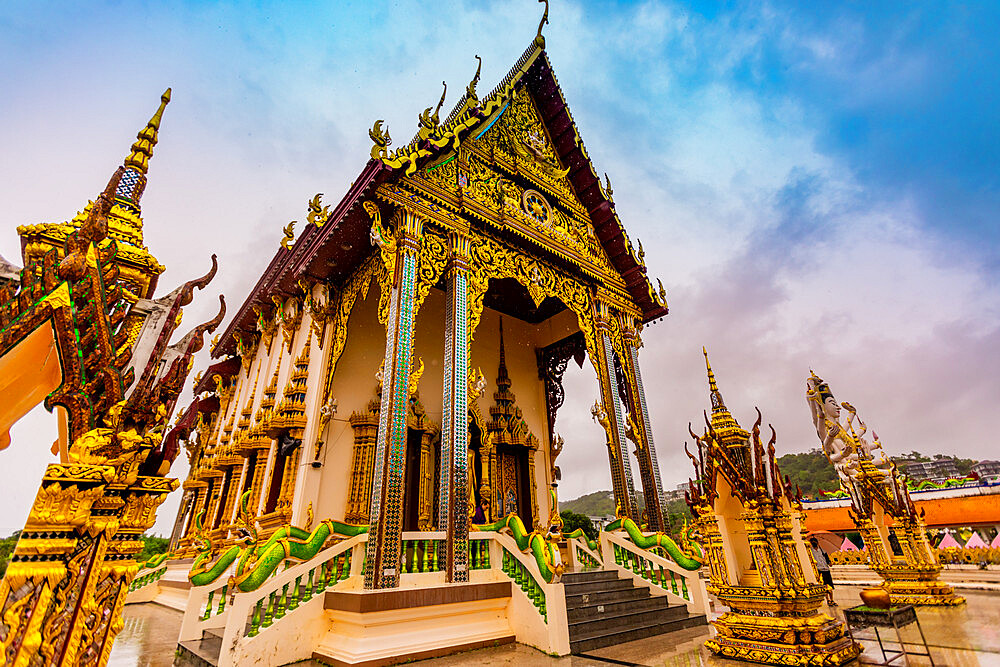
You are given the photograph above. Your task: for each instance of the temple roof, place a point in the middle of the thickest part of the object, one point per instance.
(332, 251)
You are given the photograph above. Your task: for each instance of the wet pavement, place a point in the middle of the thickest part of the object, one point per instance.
(966, 636)
(148, 637)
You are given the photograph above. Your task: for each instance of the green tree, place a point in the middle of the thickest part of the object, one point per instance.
(7, 545)
(811, 471)
(151, 546)
(572, 521)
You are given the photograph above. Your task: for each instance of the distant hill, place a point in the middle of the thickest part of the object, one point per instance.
(812, 471)
(598, 503)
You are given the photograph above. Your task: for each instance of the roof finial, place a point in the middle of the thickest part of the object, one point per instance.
(429, 122)
(440, 101)
(142, 149)
(711, 376)
(470, 90)
(539, 39)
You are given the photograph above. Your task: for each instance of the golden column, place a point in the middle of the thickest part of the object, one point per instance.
(453, 497)
(642, 431)
(612, 417)
(401, 256)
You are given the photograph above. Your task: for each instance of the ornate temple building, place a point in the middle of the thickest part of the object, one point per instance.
(378, 422)
(399, 363)
(81, 332)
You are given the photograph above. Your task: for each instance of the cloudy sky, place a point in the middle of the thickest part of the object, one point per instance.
(817, 188)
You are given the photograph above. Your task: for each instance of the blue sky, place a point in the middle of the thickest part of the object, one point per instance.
(815, 183)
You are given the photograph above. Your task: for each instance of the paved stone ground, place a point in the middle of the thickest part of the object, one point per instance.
(964, 636)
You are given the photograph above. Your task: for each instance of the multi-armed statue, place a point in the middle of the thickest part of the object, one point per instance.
(890, 525)
(759, 566)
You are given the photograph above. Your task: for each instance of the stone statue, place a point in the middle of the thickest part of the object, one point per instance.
(838, 445)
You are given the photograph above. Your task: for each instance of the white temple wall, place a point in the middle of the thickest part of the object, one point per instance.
(308, 479)
(353, 387)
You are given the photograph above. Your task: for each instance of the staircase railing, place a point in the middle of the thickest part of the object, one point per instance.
(145, 587)
(583, 557)
(538, 611)
(148, 577)
(646, 566)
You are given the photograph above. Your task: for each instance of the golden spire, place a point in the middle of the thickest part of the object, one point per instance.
(727, 429)
(142, 149)
(714, 388)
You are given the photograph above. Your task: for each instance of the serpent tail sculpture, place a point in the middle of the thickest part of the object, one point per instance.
(544, 551)
(689, 556)
(256, 563)
(203, 570)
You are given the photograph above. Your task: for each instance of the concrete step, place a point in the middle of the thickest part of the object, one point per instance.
(199, 653)
(609, 609)
(590, 576)
(599, 586)
(624, 620)
(655, 626)
(575, 601)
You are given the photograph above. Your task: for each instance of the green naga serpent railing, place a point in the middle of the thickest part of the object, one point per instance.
(521, 550)
(148, 577)
(688, 555)
(544, 551)
(585, 552)
(247, 617)
(656, 559)
(255, 563)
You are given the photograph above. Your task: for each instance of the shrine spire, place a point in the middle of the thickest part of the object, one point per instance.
(727, 429)
(146, 139)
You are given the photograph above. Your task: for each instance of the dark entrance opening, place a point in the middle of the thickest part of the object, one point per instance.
(411, 488)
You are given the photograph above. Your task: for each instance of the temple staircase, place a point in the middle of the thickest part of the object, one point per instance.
(603, 609)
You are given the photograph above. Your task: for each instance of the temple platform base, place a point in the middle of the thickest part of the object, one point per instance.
(387, 627)
(811, 640)
(932, 592)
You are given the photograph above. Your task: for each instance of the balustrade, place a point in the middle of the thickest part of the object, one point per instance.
(147, 578)
(651, 565)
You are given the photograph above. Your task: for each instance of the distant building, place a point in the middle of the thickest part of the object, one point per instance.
(601, 521)
(988, 471)
(936, 470)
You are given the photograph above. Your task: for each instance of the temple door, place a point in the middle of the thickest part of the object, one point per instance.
(513, 486)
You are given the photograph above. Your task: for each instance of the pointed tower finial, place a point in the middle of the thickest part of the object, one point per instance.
(502, 377)
(711, 376)
(717, 401)
(727, 430)
(142, 149)
(539, 39)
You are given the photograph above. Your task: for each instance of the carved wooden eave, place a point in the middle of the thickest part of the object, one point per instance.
(226, 369)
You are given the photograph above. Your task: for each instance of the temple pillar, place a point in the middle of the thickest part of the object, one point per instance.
(386, 507)
(614, 424)
(453, 496)
(649, 469)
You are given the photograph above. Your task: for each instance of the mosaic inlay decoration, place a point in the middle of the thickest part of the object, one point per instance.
(619, 417)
